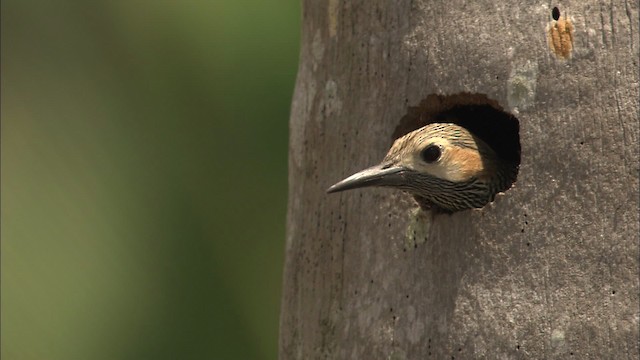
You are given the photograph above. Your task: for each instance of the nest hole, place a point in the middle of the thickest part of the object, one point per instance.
(482, 116)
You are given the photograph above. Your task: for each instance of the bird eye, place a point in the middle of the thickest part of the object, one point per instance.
(431, 153)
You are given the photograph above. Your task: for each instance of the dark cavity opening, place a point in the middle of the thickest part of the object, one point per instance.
(555, 13)
(482, 116)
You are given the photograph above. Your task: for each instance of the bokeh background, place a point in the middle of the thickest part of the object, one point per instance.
(144, 177)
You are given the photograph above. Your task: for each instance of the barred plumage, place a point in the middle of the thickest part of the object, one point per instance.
(443, 165)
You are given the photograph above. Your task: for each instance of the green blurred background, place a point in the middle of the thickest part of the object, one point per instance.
(144, 177)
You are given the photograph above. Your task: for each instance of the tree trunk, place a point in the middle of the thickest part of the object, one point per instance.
(549, 269)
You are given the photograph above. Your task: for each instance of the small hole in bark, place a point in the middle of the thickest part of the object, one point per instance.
(518, 347)
(571, 353)
(581, 142)
(528, 244)
(613, 292)
(560, 35)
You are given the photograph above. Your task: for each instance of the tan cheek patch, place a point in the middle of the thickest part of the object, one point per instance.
(464, 164)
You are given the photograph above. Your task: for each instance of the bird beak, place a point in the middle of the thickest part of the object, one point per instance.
(379, 175)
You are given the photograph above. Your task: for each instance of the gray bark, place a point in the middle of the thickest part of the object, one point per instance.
(548, 270)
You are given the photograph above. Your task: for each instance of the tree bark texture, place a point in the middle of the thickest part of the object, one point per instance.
(548, 270)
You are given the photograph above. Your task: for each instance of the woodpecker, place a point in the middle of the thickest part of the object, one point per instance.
(444, 166)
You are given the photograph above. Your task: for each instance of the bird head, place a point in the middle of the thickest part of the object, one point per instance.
(441, 164)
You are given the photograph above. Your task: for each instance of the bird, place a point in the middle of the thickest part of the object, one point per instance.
(443, 165)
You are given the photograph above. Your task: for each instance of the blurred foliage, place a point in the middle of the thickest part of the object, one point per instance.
(144, 177)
